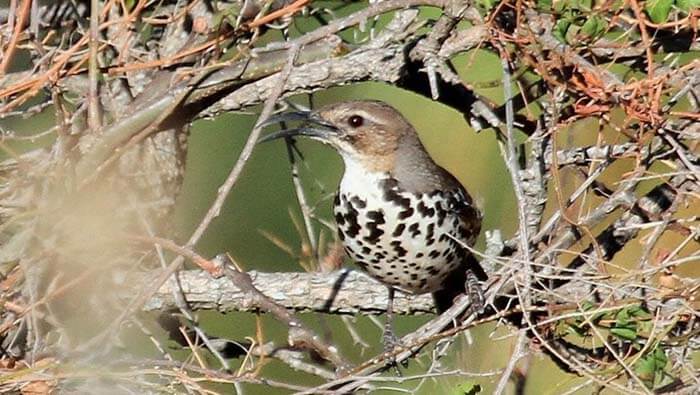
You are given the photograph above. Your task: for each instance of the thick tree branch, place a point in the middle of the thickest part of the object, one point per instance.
(343, 292)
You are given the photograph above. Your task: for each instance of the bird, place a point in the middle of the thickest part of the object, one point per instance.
(402, 218)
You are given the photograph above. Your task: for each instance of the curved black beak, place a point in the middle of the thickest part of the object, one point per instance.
(311, 126)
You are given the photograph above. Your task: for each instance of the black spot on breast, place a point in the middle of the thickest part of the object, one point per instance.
(341, 234)
(336, 200)
(351, 219)
(419, 255)
(433, 270)
(414, 276)
(374, 233)
(434, 254)
(400, 251)
(423, 282)
(376, 218)
(366, 250)
(441, 213)
(413, 229)
(357, 202)
(406, 213)
(430, 231)
(389, 187)
(349, 207)
(339, 219)
(353, 229)
(398, 231)
(444, 237)
(425, 211)
(361, 264)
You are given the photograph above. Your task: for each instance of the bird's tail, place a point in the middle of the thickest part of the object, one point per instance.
(457, 282)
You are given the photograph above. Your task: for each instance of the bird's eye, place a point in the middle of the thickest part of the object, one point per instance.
(355, 121)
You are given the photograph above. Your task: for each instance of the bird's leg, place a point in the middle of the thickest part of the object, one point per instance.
(390, 339)
(475, 292)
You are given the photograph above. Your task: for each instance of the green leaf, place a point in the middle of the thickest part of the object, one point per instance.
(577, 330)
(560, 29)
(639, 312)
(625, 333)
(646, 370)
(658, 10)
(559, 6)
(598, 316)
(584, 5)
(594, 26)
(146, 32)
(544, 5)
(660, 357)
(622, 319)
(228, 15)
(650, 368)
(486, 5)
(688, 5)
(468, 388)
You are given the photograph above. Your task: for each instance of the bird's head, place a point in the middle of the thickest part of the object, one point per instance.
(369, 132)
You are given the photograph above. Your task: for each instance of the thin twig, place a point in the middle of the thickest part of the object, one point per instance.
(93, 97)
(523, 235)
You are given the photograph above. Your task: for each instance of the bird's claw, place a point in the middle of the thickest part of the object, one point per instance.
(475, 293)
(391, 343)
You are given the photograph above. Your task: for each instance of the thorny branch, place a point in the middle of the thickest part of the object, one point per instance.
(603, 164)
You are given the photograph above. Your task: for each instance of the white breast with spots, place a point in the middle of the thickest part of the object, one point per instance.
(402, 239)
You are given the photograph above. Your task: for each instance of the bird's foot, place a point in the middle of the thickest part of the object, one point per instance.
(391, 343)
(475, 293)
